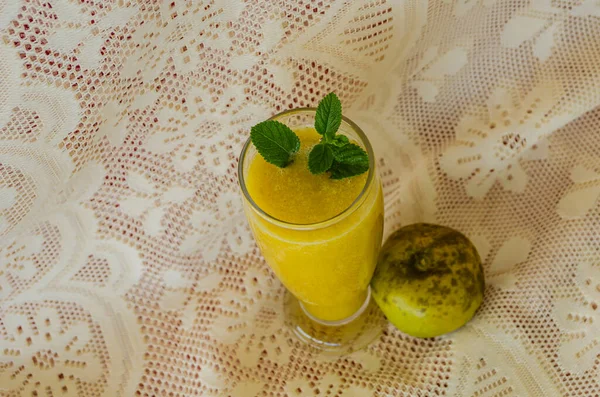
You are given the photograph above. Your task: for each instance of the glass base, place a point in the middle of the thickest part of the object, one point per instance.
(335, 337)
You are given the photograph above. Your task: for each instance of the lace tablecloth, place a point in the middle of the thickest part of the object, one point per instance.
(126, 264)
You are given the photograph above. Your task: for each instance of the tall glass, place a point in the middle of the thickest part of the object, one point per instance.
(327, 265)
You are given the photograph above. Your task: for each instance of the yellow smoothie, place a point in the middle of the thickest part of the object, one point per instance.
(327, 263)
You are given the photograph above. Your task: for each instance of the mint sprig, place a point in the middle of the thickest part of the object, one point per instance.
(278, 144)
(275, 142)
(348, 159)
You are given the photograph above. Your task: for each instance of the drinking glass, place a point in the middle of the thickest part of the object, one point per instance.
(326, 266)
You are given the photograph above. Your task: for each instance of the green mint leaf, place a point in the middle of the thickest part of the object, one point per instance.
(320, 158)
(341, 171)
(329, 116)
(349, 160)
(340, 140)
(275, 142)
(351, 154)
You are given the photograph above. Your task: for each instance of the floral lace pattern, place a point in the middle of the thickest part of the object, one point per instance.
(126, 263)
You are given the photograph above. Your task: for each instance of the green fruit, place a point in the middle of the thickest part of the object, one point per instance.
(429, 280)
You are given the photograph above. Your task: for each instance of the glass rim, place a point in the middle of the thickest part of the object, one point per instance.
(356, 203)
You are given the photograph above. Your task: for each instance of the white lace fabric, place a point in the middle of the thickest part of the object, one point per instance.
(127, 267)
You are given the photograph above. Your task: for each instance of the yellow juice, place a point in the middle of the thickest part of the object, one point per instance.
(327, 236)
